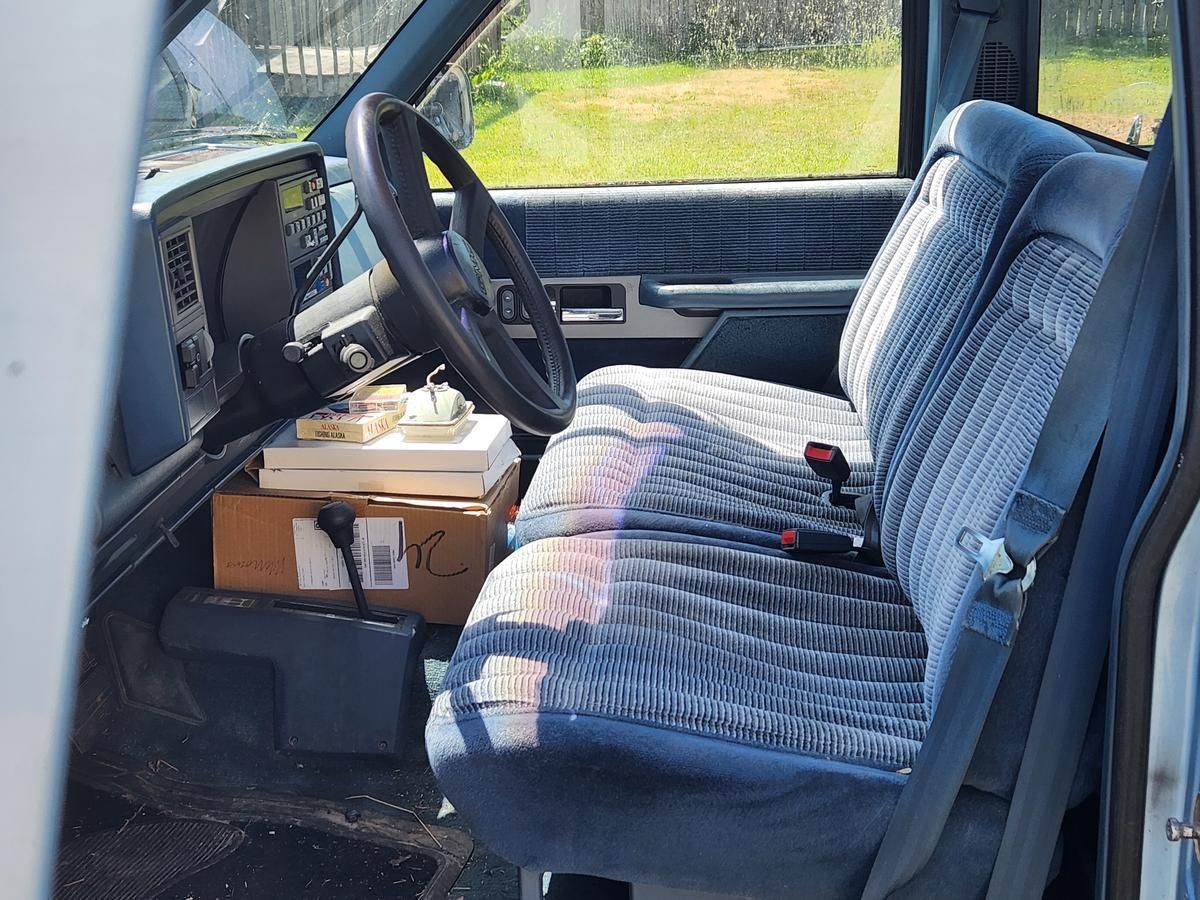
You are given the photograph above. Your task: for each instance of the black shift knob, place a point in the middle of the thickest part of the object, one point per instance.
(337, 520)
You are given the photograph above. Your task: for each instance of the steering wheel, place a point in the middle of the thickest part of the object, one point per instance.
(441, 271)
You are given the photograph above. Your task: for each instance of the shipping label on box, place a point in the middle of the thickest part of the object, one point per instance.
(378, 551)
(436, 551)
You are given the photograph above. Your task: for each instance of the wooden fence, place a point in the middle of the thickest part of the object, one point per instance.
(315, 49)
(318, 49)
(1073, 19)
(482, 43)
(780, 24)
(681, 25)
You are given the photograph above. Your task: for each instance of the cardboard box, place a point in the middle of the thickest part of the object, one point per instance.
(426, 554)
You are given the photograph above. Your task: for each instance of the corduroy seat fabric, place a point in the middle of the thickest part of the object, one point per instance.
(841, 653)
(649, 709)
(713, 455)
(673, 449)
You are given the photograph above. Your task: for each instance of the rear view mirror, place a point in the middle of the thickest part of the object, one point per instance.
(448, 105)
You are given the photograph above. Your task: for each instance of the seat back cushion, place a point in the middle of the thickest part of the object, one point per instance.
(974, 435)
(981, 167)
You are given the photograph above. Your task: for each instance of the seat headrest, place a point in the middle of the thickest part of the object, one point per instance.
(1001, 140)
(1084, 198)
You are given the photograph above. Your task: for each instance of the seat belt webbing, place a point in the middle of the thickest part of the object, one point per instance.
(966, 41)
(1062, 455)
(1128, 462)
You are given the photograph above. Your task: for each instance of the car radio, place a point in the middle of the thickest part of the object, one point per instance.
(303, 203)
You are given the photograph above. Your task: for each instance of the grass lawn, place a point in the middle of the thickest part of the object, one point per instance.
(676, 122)
(1101, 90)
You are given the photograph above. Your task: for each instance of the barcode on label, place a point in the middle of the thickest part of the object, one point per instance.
(377, 553)
(356, 549)
(381, 563)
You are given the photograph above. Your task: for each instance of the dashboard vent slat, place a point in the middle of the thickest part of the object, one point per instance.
(181, 271)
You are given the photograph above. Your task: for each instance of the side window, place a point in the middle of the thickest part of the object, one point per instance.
(1105, 66)
(579, 92)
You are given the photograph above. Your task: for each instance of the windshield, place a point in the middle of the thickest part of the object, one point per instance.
(254, 71)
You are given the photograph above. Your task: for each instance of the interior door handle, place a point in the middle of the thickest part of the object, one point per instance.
(592, 315)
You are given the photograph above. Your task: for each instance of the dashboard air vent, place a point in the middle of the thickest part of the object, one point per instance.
(181, 271)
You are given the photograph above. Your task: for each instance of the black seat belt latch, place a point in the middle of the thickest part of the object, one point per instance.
(828, 462)
(806, 541)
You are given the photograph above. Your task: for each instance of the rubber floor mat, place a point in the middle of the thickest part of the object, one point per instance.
(116, 850)
(137, 862)
(303, 864)
(146, 677)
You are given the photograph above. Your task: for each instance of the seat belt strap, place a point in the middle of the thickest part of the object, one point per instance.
(1129, 459)
(966, 41)
(1062, 455)
(924, 805)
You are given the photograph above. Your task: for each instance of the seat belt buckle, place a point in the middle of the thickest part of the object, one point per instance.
(789, 539)
(992, 557)
(829, 463)
(810, 541)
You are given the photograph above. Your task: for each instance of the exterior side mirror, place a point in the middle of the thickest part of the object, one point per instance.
(449, 106)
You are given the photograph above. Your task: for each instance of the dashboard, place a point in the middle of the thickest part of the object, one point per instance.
(221, 247)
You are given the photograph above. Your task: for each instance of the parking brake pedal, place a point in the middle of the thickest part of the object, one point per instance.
(342, 678)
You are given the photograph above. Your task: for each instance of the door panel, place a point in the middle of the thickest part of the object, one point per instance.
(797, 347)
(632, 318)
(696, 251)
(711, 229)
(680, 260)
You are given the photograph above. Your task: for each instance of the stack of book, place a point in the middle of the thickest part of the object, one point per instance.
(392, 463)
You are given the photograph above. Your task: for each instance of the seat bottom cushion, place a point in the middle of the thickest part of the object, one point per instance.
(685, 715)
(691, 452)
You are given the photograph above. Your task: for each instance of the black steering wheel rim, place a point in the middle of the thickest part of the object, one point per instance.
(441, 270)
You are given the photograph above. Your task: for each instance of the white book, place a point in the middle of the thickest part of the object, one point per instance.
(468, 485)
(476, 450)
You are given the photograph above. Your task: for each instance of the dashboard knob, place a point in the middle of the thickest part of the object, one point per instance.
(356, 358)
(294, 351)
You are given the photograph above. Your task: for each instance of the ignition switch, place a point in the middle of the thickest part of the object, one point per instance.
(357, 359)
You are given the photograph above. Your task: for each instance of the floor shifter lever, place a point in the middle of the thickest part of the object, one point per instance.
(337, 521)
